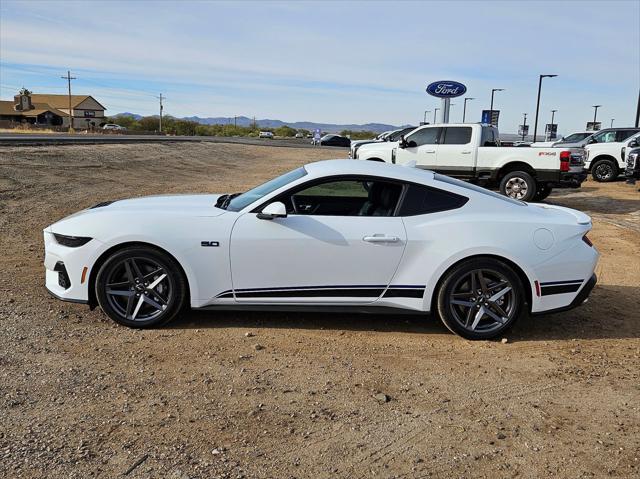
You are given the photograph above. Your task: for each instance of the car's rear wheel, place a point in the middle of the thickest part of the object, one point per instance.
(542, 191)
(480, 298)
(140, 287)
(604, 171)
(518, 185)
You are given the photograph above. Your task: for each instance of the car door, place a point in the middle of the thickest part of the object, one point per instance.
(330, 248)
(420, 146)
(456, 155)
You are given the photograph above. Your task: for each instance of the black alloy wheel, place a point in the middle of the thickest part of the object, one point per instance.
(140, 287)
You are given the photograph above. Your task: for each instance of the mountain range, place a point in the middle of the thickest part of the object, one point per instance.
(268, 123)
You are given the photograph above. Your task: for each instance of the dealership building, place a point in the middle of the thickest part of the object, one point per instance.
(53, 110)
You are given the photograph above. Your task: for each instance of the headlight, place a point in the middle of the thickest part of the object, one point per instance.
(71, 241)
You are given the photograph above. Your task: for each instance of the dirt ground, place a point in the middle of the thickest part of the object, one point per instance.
(82, 397)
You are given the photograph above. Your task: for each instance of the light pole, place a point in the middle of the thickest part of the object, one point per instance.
(464, 108)
(524, 125)
(435, 114)
(535, 127)
(491, 109)
(425, 116)
(553, 114)
(595, 113)
(611, 126)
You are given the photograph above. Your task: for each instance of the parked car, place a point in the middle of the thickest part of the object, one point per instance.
(335, 140)
(472, 152)
(265, 134)
(574, 140)
(113, 126)
(608, 135)
(606, 160)
(354, 235)
(387, 136)
(632, 171)
(299, 135)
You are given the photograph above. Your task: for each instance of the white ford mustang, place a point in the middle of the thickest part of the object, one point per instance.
(338, 234)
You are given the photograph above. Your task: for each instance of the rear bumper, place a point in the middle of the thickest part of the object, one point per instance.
(570, 179)
(580, 298)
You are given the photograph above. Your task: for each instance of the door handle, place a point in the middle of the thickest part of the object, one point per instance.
(466, 152)
(430, 151)
(379, 238)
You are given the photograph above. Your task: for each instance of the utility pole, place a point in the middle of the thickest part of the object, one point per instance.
(553, 114)
(435, 114)
(161, 108)
(69, 78)
(493, 90)
(595, 113)
(425, 116)
(235, 122)
(638, 111)
(535, 126)
(611, 126)
(464, 109)
(524, 125)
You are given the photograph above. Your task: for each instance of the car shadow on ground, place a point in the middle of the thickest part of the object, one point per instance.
(599, 204)
(611, 313)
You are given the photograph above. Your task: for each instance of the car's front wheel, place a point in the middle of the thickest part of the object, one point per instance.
(140, 287)
(604, 170)
(480, 298)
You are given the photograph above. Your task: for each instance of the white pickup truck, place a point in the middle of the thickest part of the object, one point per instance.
(607, 160)
(472, 152)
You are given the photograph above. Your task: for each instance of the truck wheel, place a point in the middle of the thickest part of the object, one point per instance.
(518, 185)
(604, 171)
(542, 191)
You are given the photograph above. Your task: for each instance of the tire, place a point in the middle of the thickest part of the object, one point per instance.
(140, 287)
(542, 191)
(458, 301)
(518, 185)
(604, 171)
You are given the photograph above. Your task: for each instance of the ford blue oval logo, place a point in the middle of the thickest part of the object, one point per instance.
(446, 89)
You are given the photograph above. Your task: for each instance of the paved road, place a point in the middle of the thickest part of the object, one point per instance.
(9, 139)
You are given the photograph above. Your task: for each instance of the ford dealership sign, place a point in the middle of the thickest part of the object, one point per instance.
(446, 89)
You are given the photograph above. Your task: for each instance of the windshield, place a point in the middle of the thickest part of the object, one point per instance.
(245, 199)
(577, 137)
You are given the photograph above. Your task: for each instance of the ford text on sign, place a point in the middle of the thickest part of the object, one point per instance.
(446, 89)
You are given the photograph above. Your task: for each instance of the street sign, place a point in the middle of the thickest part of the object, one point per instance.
(446, 89)
(490, 117)
(593, 126)
(551, 131)
(523, 130)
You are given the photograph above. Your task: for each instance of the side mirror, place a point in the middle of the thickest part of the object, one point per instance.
(273, 210)
(402, 143)
(633, 144)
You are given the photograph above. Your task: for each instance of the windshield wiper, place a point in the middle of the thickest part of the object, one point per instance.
(224, 200)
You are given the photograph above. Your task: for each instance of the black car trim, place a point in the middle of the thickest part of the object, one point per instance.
(328, 291)
(580, 298)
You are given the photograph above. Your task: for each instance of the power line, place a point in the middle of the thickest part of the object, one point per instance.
(69, 78)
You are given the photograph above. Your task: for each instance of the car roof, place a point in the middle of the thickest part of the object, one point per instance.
(372, 168)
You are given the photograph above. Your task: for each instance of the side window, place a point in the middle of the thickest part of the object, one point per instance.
(605, 137)
(457, 135)
(345, 197)
(426, 136)
(624, 134)
(420, 200)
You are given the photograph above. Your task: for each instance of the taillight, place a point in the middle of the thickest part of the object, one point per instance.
(565, 158)
(586, 239)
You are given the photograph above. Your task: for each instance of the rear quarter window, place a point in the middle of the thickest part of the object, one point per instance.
(420, 200)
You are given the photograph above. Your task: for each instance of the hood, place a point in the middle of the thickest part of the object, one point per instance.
(380, 146)
(148, 207)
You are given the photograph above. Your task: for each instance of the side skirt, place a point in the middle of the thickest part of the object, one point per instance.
(312, 309)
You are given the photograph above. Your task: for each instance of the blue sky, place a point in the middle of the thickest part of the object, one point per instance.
(330, 61)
